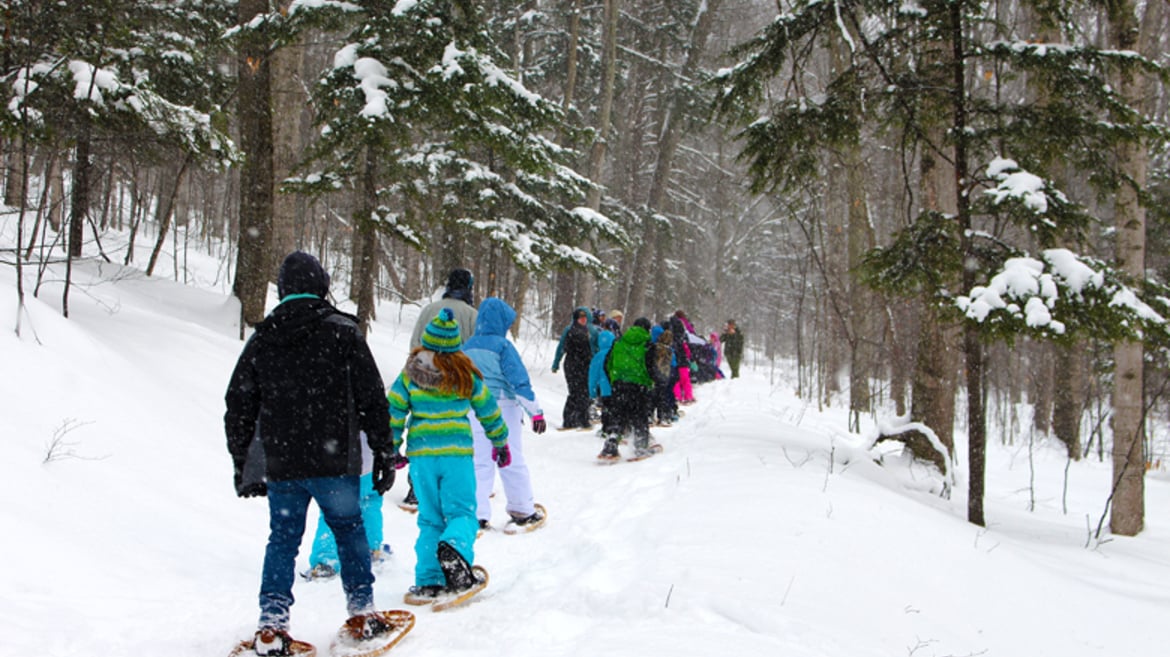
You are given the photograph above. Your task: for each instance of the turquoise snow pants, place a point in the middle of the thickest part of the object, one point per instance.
(445, 487)
(325, 545)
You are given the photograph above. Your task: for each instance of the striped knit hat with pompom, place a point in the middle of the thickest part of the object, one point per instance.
(442, 333)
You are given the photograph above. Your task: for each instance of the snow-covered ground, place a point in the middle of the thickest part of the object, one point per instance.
(764, 529)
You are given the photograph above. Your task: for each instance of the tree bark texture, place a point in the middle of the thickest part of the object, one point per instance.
(289, 100)
(1127, 516)
(255, 123)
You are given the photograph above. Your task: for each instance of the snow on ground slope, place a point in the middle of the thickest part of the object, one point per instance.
(762, 530)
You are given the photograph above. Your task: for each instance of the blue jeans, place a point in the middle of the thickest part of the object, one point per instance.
(325, 546)
(445, 487)
(288, 504)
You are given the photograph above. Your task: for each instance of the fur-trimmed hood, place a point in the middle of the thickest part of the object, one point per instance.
(421, 369)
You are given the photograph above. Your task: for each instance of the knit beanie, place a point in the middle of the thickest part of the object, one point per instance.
(442, 333)
(301, 273)
(460, 279)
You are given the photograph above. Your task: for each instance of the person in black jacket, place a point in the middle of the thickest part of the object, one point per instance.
(577, 352)
(303, 388)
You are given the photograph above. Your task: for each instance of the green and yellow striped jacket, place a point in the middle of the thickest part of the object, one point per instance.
(434, 423)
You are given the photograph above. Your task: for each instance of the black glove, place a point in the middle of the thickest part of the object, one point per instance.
(538, 424)
(254, 489)
(385, 466)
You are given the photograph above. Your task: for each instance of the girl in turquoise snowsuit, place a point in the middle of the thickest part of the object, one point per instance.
(429, 402)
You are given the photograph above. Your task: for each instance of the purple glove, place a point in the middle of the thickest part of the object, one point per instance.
(502, 456)
(538, 424)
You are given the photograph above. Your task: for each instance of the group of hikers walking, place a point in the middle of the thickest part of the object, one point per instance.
(309, 419)
(636, 375)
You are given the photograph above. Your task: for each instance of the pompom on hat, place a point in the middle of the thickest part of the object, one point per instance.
(442, 333)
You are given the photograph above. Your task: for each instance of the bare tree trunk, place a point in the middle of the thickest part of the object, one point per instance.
(1043, 387)
(16, 181)
(55, 201)
(1128, 504)
(365, 264)
(1068, 400)
(169, 183)
(670, 136)
(609, 75)
(287, 108)
(255, 121)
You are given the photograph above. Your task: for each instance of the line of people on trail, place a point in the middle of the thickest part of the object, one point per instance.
(306, 401)
(636, 377)
(309, 419)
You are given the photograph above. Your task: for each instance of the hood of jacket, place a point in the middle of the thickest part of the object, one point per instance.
(495, 317)
(605, 340)
(421, 370)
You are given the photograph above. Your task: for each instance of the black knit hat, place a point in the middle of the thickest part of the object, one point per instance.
(460, 279)
(301, 273)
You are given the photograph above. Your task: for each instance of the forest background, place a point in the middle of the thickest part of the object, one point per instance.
(950, 212)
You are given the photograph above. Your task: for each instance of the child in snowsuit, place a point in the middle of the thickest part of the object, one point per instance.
(683, 391)
(429, 403)
(663, 406)
(323, 559)
(630, 403)
(599, 388)
(504, 373)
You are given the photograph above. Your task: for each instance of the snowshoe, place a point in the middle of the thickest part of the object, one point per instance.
(271, 642)
(424, 595)
(410, 502)
(319, 573)
(464, 581)
(527, 523)
(646, 452)
(609, 453)
(369, 635)
(380, 557)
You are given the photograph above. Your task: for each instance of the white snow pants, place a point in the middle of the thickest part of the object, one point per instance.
(517, 484)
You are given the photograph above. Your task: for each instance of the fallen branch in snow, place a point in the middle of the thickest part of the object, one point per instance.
(58, 448)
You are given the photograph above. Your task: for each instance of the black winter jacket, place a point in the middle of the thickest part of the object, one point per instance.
(306, 384)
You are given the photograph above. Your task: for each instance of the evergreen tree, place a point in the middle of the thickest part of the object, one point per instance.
(420, 114)
(989, 259)
(139, 72)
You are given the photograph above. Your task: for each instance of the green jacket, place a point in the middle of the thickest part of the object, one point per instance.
(627, 360)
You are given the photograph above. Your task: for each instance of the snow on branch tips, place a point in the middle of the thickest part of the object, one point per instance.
(1015, 183)
(1059, 294)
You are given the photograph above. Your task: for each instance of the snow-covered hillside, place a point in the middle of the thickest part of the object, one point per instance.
(762, 530)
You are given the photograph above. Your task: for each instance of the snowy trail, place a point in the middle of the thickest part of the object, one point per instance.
(762, 530)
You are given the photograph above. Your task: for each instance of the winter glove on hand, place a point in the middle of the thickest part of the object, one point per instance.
(554, 370)
(254, 489)
(502, 456)
(384, 471)
(538, 424)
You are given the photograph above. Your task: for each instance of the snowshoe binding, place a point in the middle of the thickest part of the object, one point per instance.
(424, 595)
(644, 448)
(273, 642)
(369, 635)
(609, 453)
(527, 523)
(319, 573)
(464, 581)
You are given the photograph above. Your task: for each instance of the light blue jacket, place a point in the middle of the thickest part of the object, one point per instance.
(598, 380)
(496, 357)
